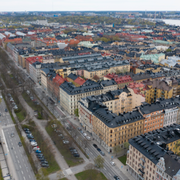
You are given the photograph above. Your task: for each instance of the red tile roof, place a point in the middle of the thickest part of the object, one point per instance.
(119, 79)
(80, 81)
(58, 79)
(33, 59)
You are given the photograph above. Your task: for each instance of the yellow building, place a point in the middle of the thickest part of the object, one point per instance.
(148, 67)
(109, 129)
(158, 89)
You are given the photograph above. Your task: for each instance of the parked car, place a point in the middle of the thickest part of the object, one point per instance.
(95, 145)
(84, 134)
(116, 177)
(112, 163)
(44, 162)
(38, 151)
(41, 159)
(102, 153)
(36, 148)
(44, 165)
(20, 144)
(26, 129)
(76, 155)
(6, 110)
(12, 134)
(65, 142)
(99, 149)
(33, 143)
(29, 136)
(79, 128)
(88, 138)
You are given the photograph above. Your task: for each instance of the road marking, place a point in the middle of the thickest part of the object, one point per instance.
(16, 156)
(29, 176)
(18, 161)
(20, 166)
(22, 172)
(24, 177)
(110, 174)
(104, 168)
(5, 141)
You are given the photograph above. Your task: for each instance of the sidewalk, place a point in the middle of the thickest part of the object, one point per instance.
(59, 158)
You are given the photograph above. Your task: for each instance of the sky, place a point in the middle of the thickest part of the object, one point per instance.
(89, 5)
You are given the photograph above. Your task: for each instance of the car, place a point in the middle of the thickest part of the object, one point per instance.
(20, 144)
(102, 153)
(44, 161)
(1, 97)
(95, 145)
(88, 138)
(60, 135)
(36, 148)
(6, 110)
(84, 134)
(26, 129)
(82, 131)
(12, 134)
(79, 129)
(44, 165)
(29, 136)
(112, 163)
(116, 177)
(73, 153)
(15, 107)
(32, 140)
(33, 143)
(99, 149)
(76, 155)
(38, 151)
(71, 148)
(28, 132)
(41, 158)
(65, 142)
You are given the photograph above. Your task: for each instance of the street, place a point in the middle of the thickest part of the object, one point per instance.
(17, 154)
(109, 171)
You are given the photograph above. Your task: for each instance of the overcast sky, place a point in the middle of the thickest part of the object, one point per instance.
(85, 5)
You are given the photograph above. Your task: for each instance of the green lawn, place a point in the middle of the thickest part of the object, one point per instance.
(46, 150)
(31, 103)
(91, 174)
(21, 115)
(123, 159)
(63, 149)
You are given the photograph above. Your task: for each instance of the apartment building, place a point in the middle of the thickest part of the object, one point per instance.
(152, 156)
(70, 95)
(106, 67)
(156, 89)
(148, 67)
(121, 81)
(108, 128)
(53, 83)
(153, 116)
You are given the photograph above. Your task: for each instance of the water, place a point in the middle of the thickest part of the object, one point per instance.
(172, 22)
(175, 22)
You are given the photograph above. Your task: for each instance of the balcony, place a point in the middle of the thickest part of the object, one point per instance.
(142, 160)
(142, 172)
(140, 177)
(142, 165)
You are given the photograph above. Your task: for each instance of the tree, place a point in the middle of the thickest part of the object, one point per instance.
(96, 77)
(76, 112)
(168, 50)
(99, 162)
(117, 149)
(126, 145)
